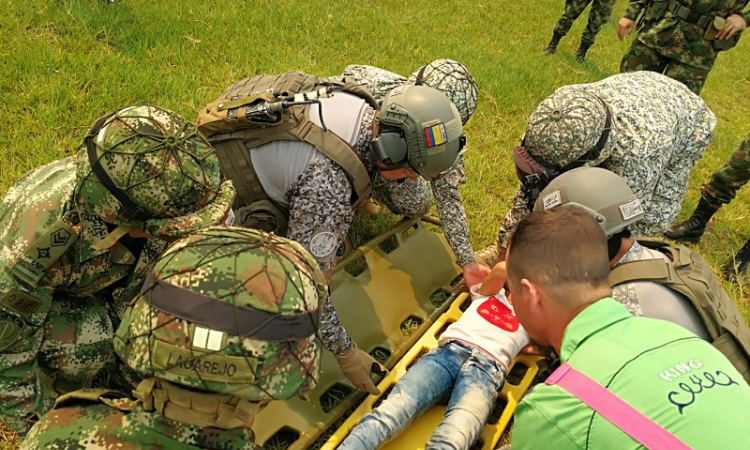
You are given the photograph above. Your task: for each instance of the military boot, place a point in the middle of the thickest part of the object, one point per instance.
(552, 46)
(582, 49)
(692, 229)
(740, 262)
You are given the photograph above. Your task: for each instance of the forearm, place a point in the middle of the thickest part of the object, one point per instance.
(516, 213)
(455, 225)
(335, 338)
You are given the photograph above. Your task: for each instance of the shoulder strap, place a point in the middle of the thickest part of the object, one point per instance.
(631, 421)
(657, 270)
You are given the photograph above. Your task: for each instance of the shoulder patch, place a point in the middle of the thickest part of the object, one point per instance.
(9, 331)
(20, 302)
(40, 256)
(323, 244)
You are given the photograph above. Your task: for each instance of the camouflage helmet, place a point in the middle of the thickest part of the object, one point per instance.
(602, 194)
(567, 126)
(419, 128)
(228, 310)
(454, 80)
(148, 168)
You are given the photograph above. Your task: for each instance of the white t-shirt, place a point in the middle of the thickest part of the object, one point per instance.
(491, 325)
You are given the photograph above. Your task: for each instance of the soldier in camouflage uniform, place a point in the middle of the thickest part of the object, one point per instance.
(681, 39)
(318, 192)
(598, 16)
(413, 197)
(225, 323)
(719, 191)
(643, 126)
(79, 234)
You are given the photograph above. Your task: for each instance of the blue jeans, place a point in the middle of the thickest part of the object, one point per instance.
(471, 375)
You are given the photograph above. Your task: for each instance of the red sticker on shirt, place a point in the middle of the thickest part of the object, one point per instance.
(495, 312)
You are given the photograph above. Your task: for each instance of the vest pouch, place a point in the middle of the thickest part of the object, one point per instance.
(656, 10)
(725, 44)
(714, 27)
(263, 215)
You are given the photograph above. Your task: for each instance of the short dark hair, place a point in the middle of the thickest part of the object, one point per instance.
(563, 250)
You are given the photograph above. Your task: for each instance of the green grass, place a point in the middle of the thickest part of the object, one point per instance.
(63, 63)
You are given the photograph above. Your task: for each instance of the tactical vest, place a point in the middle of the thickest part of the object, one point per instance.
(687, 273)
(227, 126)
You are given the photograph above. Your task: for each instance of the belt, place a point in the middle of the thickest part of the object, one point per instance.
(688, 15)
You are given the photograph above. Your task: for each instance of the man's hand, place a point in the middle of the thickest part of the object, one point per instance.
(625, 27)
(735, 24)
(357, 366)
(475, 273)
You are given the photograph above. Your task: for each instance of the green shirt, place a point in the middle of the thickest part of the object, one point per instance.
(670, 375)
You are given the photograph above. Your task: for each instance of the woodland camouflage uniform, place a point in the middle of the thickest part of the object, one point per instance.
(600, 12)
(60, 293)
(724, 182)
(205, 375)
(676, 47)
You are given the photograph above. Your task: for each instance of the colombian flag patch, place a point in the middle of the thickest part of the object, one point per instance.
(435, 135)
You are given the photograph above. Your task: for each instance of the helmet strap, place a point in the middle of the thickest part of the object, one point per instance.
(112, 238)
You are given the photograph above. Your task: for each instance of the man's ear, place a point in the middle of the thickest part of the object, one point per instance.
(533, 294)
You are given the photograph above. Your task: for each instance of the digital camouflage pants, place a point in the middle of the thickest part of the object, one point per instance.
(724, 182)
(72, 346)
(641, 57)
(601, 10)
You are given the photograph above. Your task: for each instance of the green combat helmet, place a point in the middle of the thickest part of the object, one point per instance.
(454, 80)
(602, 194)
(419, 128)
(148, 168)
(569, 125)
(229, 316)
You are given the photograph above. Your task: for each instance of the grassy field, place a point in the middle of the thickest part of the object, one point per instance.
(63, 63)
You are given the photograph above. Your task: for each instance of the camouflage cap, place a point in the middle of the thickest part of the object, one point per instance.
(565, 126)
(229, 311)
(454, 80)
(146, 167)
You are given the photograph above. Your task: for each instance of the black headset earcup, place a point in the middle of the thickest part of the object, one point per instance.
(390, 148)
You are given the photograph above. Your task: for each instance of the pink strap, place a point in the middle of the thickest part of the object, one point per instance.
(644, 430)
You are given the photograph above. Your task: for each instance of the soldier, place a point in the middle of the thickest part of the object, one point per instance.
(598, 16)
(643, 126)
(412, 197)
(681, 39)
(225, 323)
(303, 178)
(79, 235)
(719, 191)
(648, 276)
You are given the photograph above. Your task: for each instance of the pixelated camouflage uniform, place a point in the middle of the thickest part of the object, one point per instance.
(204, 378)
(659, 131)
(61, 336)
(676, 47)
(123, 424)
(600, 12)
(724, 182)
(413, 196)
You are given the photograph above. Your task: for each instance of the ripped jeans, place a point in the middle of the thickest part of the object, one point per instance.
(465, 373)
